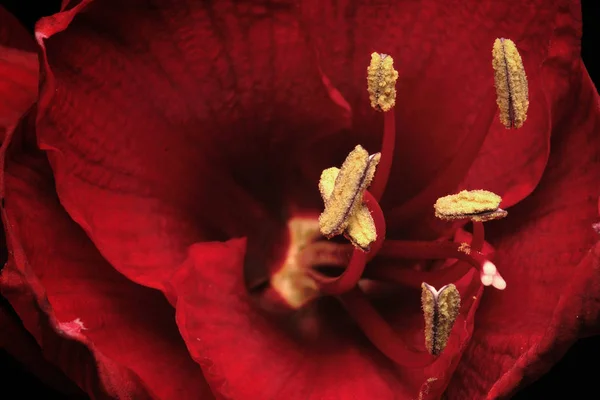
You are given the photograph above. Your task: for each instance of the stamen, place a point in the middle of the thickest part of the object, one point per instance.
(391, 272)
(511, 83)
(476, 205)
(295, 286)
(440, 309)
(342, 192)
(353, 273)
(380, 333)
(381, 82)
(325, 253)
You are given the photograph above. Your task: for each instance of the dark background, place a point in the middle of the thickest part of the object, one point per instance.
(576, 376)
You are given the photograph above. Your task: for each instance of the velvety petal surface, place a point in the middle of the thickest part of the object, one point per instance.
(445, 109)
(115, 339)
(171, 122)
(549, 255)
(18, 71)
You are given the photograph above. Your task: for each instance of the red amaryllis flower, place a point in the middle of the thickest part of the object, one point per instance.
(177, 147)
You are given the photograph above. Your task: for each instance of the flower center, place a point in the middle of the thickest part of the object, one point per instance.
(315, 266)
(291, 281)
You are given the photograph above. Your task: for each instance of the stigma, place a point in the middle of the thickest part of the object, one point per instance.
(291, 281)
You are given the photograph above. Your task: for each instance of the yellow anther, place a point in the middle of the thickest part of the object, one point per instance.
(361, 227)
(476, 205)
(342, 191)
(440, 309)
(381, 82)
(511, 83)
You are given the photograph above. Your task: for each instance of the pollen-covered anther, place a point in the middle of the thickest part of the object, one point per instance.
(475, 205)
(511, 83)
(342, 192)
(440, 309)
(381, 82)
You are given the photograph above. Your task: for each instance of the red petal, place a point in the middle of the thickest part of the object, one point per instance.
(247, 355)
(18, 71)
(552, 297)
(445, 108)
(115, 339)
(151, 118)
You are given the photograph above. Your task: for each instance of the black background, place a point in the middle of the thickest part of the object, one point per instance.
(576, 376)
